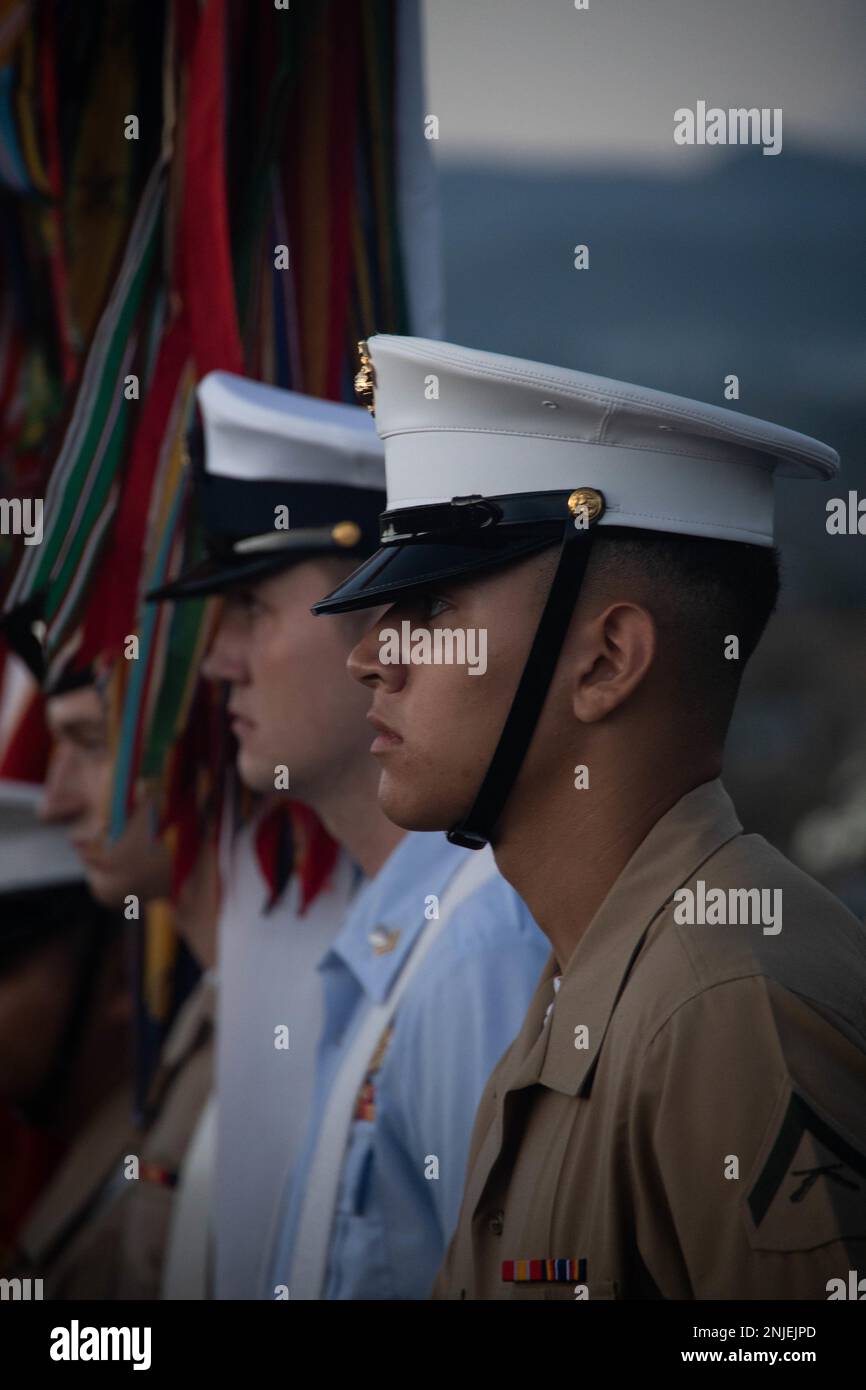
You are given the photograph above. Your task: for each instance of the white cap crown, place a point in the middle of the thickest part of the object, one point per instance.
(255, 432)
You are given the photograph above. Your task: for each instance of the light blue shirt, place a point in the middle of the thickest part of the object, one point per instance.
(461, 1010)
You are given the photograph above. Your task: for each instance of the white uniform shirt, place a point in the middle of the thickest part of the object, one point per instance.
(268, 978)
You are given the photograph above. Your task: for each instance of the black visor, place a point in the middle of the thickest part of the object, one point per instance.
(447, 541)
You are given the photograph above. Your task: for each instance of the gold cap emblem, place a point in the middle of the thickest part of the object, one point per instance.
(346, 533)
(587, 501)
(365, 379)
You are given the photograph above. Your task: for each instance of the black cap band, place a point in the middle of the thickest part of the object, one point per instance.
(243, 546)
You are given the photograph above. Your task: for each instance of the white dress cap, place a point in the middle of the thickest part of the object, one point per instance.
(255, 432)
(457, 421)
(32, 854)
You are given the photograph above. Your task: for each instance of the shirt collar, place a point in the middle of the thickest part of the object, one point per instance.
(388, 914)
(687, 835)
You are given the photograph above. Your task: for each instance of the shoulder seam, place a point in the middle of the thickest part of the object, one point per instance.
(697, 994)
(817, 1005)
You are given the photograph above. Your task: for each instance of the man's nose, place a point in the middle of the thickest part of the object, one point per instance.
(365, 661)
(226, 659)
(63, 794)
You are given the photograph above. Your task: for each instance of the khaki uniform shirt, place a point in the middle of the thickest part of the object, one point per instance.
(96, 1233)
(691, 1120)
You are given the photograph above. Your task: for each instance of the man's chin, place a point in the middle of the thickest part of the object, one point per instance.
(150, 882)
(255, 773)
(106, 889)
(404, 807)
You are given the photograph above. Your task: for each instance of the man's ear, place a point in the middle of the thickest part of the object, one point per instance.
(613, 653)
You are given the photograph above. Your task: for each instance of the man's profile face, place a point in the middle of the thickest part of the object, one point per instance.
(77, 788)
(437, 726)
(291, 703)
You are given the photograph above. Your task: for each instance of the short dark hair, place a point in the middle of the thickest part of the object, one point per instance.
(700, 591)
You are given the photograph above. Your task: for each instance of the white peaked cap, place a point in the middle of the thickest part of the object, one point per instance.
(32, 854)
(255, 432)
(457, 421)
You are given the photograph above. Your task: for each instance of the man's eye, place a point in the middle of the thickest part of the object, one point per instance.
(432, 605)
(246, 602)
(91, 743)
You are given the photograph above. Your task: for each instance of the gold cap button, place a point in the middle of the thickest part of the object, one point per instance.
(346, 533)
(587, 500)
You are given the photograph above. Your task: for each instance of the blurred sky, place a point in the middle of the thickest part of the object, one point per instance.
(537, 79)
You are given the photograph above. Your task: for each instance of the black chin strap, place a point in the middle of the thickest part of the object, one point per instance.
(476, 828)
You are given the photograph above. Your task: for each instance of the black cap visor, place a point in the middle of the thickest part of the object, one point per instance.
(399, 569)
(215, 575)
